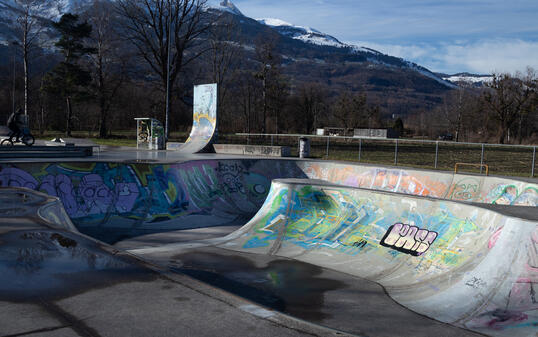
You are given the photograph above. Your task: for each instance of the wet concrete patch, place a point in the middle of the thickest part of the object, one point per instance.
(325, 297)
(49, 264)
(292, 287)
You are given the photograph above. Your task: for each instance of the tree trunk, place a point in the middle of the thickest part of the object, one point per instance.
(42, 124)
(25, 62)
(520, 129)
(102, 100)
(502, 133)
(69, 116)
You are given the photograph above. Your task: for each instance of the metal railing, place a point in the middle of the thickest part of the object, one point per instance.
(473, 165)
(502, 159)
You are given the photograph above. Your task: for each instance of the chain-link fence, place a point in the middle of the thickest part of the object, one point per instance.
(512, 160)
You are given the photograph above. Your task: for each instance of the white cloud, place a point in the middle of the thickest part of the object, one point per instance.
(485, 56)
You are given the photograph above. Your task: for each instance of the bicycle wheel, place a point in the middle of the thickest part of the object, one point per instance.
(29, 140)
(6, 142)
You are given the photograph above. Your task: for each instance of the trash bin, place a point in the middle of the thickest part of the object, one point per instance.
(304, 147)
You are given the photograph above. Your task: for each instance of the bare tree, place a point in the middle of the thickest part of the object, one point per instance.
(224, 52)
(311, 104)
(156, 27)
(33, 16)
(109, 59)
(247, 92)
(527, 98)
(506, 100)
(351, 110)
(269, 71)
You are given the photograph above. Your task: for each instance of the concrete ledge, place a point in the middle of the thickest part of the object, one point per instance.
(173, 145)
(253, 150)
(21, 151)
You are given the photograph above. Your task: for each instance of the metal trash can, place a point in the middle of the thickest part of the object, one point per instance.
(304, 147)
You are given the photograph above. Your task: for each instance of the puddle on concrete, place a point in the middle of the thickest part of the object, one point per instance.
(49, 264)
(292, 287)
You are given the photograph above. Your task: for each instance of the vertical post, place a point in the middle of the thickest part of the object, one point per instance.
(328, 137)
(360, 148)
(169, 37)
(14, 78)
(396, 153)
(436, 152)
(137, 133)
(482, 159)
(533, 160)
(271, 140)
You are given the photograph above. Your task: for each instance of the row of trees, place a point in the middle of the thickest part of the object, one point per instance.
(115, 57)
(113, 63)
(505, 110)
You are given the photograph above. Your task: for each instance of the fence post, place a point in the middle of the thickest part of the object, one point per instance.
(360, 149)
(436, 152)
(533, 160)
(396, 153)
(482, 159)
(327, 155)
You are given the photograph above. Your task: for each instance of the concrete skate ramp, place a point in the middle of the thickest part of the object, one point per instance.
(204, 120)
(458, 263)
(113, 201)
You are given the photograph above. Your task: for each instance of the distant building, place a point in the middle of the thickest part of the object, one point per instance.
(330, 131)
(376, 133)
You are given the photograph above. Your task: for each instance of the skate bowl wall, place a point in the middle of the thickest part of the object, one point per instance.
(438, 184)
(112, 201)
(456, 262)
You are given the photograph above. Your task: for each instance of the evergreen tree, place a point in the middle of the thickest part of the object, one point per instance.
(68, 79)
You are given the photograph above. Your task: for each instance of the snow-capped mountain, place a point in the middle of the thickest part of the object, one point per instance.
(305, 34)
(10, 9)
(314, 36)
(307, 55)
(225, 6)
(464, 78)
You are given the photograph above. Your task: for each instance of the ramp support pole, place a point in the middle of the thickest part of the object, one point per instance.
(360, 148)
(533, 160)
(396, 153)
(482, 159)
(436, 153)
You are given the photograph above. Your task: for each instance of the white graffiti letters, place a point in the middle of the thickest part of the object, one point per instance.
(408, 239)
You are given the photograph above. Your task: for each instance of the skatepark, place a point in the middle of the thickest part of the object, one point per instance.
(178, 242)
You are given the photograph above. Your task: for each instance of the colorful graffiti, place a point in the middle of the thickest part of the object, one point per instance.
(512, 195)
(435, 247)
(204, 123)
(466, 189)
(438, 184)
(393, 180)
(408, 239)
(151, 197)
(356, 222)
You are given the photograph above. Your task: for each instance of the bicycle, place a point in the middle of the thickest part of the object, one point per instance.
(26, 138)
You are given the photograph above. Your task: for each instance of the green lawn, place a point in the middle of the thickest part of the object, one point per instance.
(509, 161)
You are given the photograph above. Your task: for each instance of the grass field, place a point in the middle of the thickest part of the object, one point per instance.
(509, 161)
(501, 160)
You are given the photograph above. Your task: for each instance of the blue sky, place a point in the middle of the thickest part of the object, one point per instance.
(478, 36)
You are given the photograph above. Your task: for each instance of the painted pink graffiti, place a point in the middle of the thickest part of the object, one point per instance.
(493, 240)
(408, 239)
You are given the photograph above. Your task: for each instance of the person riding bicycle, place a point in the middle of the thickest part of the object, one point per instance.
(15, 123)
